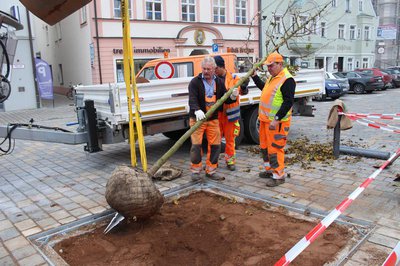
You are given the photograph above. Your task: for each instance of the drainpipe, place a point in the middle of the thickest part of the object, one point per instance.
(97, 41)
(260, 44)
(32, 58)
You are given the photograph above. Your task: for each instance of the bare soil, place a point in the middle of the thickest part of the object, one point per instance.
(205, 229)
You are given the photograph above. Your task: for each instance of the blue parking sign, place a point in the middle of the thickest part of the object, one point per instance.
(214, 47)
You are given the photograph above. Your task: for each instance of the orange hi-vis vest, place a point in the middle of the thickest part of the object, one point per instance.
(232, 110)
(272, 99)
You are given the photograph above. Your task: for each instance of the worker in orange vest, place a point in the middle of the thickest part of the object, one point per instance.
(229, 117)
(204, 90)
(275, 113)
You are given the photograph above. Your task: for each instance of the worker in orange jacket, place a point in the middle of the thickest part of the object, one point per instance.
(229, 117)
(274, 114)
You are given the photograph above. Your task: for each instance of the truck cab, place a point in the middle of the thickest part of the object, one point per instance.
(188, 66)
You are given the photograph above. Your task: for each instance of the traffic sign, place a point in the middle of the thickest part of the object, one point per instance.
(164, 70)
(214, 47)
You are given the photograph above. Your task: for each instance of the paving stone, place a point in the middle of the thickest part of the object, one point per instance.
(383, 240)
(388, 232)
(31, 231)
(32, 260)
(7, 261)
(24, 225)
(23, 252)
(5, 224)
(3, 252)
(15, 243)
(59, 215)
(9, 233)
(67, 220)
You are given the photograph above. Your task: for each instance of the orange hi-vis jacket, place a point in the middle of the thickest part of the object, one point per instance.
(232, 110)
(271, 97)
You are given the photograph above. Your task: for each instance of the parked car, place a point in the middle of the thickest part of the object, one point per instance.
(395, 76)
(387, 79)
(334, 87)
(360, 82)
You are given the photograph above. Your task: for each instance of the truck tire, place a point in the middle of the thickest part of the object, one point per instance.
(251, 125)
(175, 135)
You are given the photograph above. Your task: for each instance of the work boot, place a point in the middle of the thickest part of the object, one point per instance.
(231, 167)
(272, 182)
(195, 176)
(265, 174)
(215, 177)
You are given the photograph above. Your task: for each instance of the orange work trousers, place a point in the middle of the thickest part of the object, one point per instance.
(212, 131)
(229, 130)
(272, 144)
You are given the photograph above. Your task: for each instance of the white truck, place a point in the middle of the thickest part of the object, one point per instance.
(164, 106)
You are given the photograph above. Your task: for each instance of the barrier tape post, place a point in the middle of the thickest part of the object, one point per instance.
(336, 135)
(394, 257)
(332, 216)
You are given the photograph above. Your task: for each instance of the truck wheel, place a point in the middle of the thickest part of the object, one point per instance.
(175, 135)
(251, 125)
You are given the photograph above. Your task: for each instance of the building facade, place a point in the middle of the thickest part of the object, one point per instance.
(387, 44)
(339, 38)
(86, 47)
(23, 91)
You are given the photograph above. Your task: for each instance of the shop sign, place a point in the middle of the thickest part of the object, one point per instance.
(153, 50)
(240, 50)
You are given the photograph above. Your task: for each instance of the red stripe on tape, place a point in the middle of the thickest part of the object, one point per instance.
(344, 204)
(372, 125)
(366, 182)
(315, 232)
(282, 261)
(387, 117)
(391, 260)
(397, 131)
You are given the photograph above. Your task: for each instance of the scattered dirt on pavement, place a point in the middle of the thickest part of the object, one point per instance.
(205, 229)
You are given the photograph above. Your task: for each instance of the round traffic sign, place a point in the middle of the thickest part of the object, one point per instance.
(164, 70)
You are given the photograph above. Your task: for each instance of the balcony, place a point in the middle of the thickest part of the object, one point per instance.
(309, 44)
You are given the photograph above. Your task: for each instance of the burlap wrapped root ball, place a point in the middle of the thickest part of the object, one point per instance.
(132, 193)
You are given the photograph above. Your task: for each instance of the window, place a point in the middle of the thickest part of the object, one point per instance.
(348, 6)
(352, 32)
(350, 64)
(302, 22)
(153, 9)
(358, 34)
(313, 26)
(278, 24)
(366, 33)
(181, 70)
(360, 5)
(188, 10)
(219, 11)
(83, 15)
(365, 62)
(117, 9)
(58, 32)
(341, 31)
(47, 35)
(334, 3)
(293, 23)
(240, 17)
(323, 29)
(357, 64)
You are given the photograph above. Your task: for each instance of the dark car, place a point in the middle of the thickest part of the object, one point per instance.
(387, 79)
(360, 82)
(395, 76)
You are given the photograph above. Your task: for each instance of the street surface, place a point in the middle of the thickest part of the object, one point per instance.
(45, 185)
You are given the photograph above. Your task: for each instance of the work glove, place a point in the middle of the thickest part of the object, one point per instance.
(243, 88)
(235, 93)
(199, 115)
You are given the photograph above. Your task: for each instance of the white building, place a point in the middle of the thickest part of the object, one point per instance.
(23, 91)
(341, 38)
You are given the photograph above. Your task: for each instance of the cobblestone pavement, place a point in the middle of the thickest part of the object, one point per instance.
(45, 185)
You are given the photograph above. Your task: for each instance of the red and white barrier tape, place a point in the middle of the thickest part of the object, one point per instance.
(377, 116)
(377, 125)
(328, 220)
(361, 120)
(394, 257)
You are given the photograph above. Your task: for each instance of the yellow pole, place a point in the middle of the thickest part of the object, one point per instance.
(130, 82)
